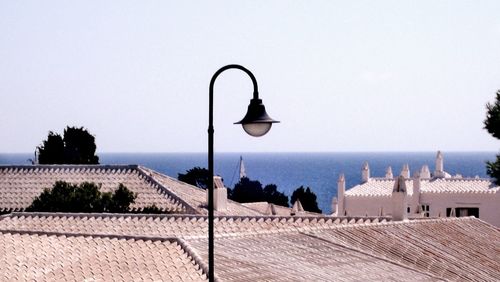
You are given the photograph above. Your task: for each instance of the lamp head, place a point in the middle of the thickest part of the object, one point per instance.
(256, 122)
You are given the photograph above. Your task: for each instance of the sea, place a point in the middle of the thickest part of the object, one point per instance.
(318, 171)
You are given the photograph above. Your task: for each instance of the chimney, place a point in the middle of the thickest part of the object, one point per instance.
(439, 172)
(388, 173)
(415, 198)
(425, 173)
(398, 199)
(405, 172)
(365, 173)
(340, 194)
(297, 208)
(416, 184)
(220, 194)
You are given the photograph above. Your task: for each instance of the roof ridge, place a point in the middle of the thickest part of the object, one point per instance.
(463, 178)
(97, 215)
(195, 257)
(48, 166)
(145, 169)
(349, 220)
(93, 235)
(165, 189)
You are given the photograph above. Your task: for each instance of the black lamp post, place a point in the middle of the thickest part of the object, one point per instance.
(256, 123)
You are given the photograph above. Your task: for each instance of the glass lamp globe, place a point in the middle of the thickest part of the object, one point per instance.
(257, 129)
(256, 122)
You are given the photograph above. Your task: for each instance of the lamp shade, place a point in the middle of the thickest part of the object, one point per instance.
(256, 122)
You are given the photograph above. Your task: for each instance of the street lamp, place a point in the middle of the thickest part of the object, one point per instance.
(256, 123)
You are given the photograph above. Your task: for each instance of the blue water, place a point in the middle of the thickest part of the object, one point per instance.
(288, 171)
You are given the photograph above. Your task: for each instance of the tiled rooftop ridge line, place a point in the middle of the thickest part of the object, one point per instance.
(66, 166)
(10, 210)
(165, 190)
(351, 219)
(92, 235)
(416, 222)
(183, 226)
(195, 257)
(359, 250)
(341, 221)
(464, 178)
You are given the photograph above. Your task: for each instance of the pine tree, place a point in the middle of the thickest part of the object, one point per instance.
(492, 125)
(77, 146)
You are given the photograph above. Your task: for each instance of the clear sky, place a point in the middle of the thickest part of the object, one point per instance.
(339, 75)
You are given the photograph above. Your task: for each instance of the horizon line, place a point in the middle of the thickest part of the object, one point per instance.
(275, 152)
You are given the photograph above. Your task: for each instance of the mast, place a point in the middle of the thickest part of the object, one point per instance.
(243, 172)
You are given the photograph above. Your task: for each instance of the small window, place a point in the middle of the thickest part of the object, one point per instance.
(450, 212)
(425, 210)
(408, 209)
(467, 212)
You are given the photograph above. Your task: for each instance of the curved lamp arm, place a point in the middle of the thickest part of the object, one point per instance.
(256, 123)
(211, 90)
(211, 275)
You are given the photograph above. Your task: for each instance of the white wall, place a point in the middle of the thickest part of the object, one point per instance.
(364, 205)
(488, 204)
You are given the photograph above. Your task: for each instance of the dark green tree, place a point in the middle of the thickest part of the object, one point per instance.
(196, 176)
(152, 209)
(77, 146)
(492, 125)
(272, 195)
(307, 198)
(247, 191)
(52, 150)
(121, 199)
(84, 197)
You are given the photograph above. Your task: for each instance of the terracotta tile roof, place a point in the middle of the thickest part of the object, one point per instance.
(19, 185)
(464, 249)
(384, 186)
(184, 226)
(285, 248)
(299, 257)
(37, 257)
(195, 196)
(460, 185)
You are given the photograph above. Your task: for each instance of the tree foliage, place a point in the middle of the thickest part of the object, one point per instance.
(248, 191)
(493, 169)
(492, 125)
(121, 199)
(272, 195)
(492, 121)
(152, 209)
(85, 197)
(307, 198)
(196, 176)
(77, 146)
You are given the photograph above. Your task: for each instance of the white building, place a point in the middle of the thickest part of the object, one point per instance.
(427, 195)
